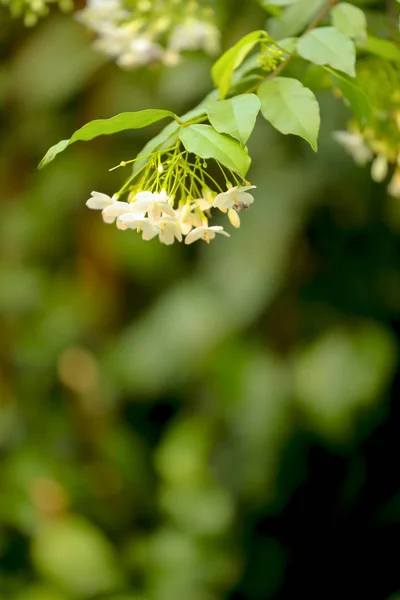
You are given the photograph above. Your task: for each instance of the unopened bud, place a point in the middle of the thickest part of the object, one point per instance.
(234, 218)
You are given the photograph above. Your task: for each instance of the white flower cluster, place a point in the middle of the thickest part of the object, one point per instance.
(153, 214)
(355, 145)
(150, 32)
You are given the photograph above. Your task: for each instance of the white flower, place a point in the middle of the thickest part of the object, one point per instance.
(379, 168)
(141, 52)
(354, 144)
(193, 35)
(154, 205)
(132, 221)
(235, 196)
(205, 233)
(99, 201)
(114, 40)
(117, 209)
(99, 15)
(169, 230)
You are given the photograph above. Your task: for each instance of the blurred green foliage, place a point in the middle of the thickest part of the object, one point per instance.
(152, 396)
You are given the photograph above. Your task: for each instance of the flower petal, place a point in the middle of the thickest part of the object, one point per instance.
(225, 199)
(203, 203)
(219, 229)
(144, 197)
(194, 235)
(99, 201)
(116, 209)
(166, 208)
(149, 231)
(167, 236)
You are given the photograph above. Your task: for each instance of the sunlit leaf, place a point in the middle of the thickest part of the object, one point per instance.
(205, 142)
(350, 20)
(236, 116)
(222, 70)
(290, 108)
(328, 46)
(170, 134)
(121, 122)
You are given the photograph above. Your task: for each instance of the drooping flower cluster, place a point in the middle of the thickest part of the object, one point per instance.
(379, 141)
(173, 202)
(364, 149)
(146, 32)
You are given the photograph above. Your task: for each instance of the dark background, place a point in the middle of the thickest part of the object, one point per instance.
(190, 422)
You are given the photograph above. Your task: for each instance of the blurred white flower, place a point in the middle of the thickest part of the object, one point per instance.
(379, 168)
(205, 233)
(139, 33)
(354, 144)
(195, 35)
(99, 14)
(394, 185)
(141, 51)
(235, 197)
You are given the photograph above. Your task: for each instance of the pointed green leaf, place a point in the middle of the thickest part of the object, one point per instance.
(121, 122)
(290, 108)
(222, 69)
(236, 116)
(328, 46)
(350, 20)
(205, 142)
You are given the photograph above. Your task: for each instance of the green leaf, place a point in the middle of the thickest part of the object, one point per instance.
(121, 122)
(356, 97)
(236, 116)
(290, 108)
(205, 142)
(328, 46)
(170, 134)
(295, 18)
(222, 69)
(350, 20)
(382, 48)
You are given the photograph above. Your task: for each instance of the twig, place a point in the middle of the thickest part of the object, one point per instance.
(314, 23)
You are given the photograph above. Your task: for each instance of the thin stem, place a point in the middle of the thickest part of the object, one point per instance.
(314, 23)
